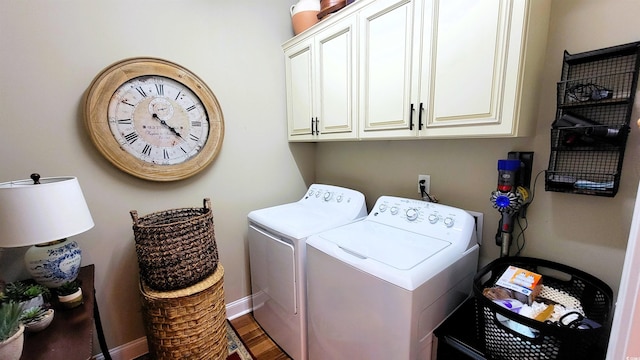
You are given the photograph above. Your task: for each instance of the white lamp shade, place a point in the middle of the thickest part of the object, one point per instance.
(33, 214)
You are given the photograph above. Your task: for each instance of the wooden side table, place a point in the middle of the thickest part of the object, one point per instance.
(70, 335)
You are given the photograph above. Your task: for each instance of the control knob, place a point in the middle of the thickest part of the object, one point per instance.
(328, 195)
(412, 214)
(382, 207)
(394, 210)
(433, 218)
(448, 222)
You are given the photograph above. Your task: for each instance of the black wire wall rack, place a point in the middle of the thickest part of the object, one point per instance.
(589, 135)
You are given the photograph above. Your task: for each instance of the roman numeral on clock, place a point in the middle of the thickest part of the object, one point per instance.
(160, 89)
(131, 137)
(141, 92)
(147, 150)
(124, 122)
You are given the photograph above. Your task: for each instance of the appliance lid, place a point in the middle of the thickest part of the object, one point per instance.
(321, 208)
(388, 245)
(297, 221)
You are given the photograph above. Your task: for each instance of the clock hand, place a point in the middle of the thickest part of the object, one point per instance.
(173, 130)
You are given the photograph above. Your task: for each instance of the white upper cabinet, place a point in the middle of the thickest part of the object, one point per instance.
(320, 78)
(299, 78)
(387, 101)
(485, 61)
(418, 69)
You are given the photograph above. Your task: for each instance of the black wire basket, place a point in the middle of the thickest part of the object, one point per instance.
(543, 340)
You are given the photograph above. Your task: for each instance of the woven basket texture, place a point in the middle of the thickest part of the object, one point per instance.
(176, 248)
(188, 323)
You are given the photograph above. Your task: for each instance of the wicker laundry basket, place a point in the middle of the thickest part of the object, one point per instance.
(188, 323)
(175, 248)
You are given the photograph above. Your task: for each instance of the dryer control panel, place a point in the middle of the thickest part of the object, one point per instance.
(334, 198)
(426, 218)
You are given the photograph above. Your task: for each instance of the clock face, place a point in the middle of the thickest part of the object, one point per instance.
(158, 120)
(153, 119)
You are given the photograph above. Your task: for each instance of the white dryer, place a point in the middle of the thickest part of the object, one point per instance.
(277, 256)
(377, 288)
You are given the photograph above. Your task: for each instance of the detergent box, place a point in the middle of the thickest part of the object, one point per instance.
(522, 281)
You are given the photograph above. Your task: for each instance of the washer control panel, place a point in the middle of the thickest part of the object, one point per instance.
(420, 216)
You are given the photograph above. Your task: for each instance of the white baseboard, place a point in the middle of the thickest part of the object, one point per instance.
(139, 347)
(239, 307)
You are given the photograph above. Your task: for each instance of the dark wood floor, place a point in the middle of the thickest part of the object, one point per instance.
(258, 342)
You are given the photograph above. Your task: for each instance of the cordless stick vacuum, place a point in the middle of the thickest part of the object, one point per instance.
(508, 199)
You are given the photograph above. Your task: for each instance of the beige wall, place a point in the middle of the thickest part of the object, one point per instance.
(49, 53)
(586, 232)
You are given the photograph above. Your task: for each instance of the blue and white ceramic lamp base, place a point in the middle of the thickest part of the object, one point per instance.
(55, 263)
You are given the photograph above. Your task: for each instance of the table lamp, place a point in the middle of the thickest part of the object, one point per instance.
(43, 213)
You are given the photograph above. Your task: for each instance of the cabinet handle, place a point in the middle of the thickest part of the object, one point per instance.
(317, 131)
(420, 116)
(312, 133)
(411, 118)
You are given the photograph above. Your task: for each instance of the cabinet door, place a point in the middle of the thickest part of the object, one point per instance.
(335, 73)
(386, 59)
(476, 67)
(299, 83)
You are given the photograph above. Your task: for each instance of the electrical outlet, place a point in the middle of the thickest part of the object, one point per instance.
(427, 183)
(479, 217)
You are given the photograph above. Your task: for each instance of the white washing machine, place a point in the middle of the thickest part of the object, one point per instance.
(377, 288)
(277, 254)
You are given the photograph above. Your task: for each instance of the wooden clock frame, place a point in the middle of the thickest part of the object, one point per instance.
(96, 104)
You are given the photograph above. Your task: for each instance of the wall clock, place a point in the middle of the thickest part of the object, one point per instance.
(153, 119)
